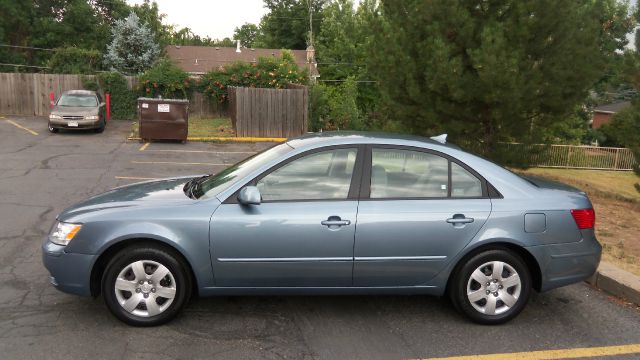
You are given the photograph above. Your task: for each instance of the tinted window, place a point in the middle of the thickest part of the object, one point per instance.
(321, 175)
(408, 174)
(463, 183)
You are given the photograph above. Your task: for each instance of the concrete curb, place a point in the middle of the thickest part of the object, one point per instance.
(225, 139)
(617, 282)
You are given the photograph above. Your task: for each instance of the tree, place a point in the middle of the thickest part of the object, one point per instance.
(149, 14)
(133, 48)
(246, 34)
(486, 71)
(286, 25)
(72, 60)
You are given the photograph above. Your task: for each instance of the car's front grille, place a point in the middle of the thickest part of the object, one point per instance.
(72, 117)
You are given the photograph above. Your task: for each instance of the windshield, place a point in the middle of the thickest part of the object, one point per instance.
(224, 179)
(77, 100)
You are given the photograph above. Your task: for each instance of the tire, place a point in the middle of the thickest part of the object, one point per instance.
(101, 128)
(507, 295)
(52, 129)
(146, 262)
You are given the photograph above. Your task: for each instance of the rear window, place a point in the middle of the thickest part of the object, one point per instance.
(77, 100)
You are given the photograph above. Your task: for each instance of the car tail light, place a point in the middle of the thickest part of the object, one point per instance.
(585, 218)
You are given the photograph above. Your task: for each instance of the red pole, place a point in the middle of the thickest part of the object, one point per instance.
(108, 97)
(52, 99)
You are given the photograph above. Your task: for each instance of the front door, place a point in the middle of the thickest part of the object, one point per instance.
(301, 234)
(421, 210)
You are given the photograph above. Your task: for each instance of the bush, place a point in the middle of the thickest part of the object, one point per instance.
(123, 100)
(335, 107)
(167, 80)
(266, 73)
(72, 60)
(624, 129)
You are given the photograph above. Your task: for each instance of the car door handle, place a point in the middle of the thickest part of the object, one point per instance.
(335, 221)
(460, 220)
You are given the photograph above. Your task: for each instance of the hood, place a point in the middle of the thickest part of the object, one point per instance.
(73, 110)
(156, 193)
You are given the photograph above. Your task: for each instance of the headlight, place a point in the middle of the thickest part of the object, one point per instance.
(54, 116)
(62, 233)
(91, 117)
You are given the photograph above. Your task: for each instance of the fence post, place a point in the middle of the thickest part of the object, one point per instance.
(615, 164)
(108, 105)
(568, 157)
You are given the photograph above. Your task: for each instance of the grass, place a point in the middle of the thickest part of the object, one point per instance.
(617, 206)
(202, 128)
(613, 184)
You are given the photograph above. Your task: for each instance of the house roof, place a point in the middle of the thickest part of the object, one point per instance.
(612, 108)
(202, 59)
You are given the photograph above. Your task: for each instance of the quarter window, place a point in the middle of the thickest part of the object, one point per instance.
(463, 183)
(321, 175)
(408, 174)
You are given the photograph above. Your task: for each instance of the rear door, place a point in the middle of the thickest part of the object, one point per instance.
(418, 209)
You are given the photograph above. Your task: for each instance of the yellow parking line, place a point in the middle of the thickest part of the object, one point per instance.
(554, 354)
(143, 147)
(176, 163)
(204, 151)
(21, 127)
(135, 178)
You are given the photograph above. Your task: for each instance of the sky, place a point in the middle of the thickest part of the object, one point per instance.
(214, 18)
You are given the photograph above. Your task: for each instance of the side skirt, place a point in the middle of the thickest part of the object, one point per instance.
(304, 291)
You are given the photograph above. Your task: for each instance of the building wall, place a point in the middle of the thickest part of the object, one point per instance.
(600, 119)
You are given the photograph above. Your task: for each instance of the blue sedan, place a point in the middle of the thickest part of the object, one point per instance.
(331, 213)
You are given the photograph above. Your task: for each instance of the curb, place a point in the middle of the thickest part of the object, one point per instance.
(225, 139)
(617, 282)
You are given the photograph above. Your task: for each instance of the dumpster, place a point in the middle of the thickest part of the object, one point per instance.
(163, 119)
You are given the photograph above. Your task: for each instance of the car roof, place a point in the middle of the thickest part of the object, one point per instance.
(80, 92)
(358, 137)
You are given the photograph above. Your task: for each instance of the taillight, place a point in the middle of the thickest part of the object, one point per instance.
(585, 218)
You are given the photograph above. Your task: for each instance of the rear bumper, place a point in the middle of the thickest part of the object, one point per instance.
(70, 273)
(564, 264)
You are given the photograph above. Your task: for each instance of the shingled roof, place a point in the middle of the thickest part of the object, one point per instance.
(201, 59)
(612, 108)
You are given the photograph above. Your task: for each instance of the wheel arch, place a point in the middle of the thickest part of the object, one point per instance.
(527, 257)
(100, 264)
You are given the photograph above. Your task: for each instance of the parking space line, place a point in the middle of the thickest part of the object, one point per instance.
(21, 127)
(135, 178)
(143, 147)
(554, 354)
(178, 163)
(203, 151)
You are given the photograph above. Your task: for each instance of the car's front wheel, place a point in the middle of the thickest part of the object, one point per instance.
(52, 129)
(146, 285)
(492, 287)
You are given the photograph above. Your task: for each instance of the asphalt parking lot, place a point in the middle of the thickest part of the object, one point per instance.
(42, 173)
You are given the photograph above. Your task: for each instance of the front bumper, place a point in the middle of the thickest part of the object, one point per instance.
(82, 124)
(70, 273)
(567, 263)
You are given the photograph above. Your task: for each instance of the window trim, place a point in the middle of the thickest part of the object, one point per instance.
(354, 186)
(365, 184)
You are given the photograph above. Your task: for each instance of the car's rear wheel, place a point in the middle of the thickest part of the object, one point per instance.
(146, 285)
(52, 129)
(492, 287)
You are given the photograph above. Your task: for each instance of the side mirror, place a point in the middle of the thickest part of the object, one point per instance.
(249, 195)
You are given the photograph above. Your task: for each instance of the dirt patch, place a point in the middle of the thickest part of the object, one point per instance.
(617, 230)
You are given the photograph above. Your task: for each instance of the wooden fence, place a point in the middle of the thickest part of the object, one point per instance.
(574, 157)
(28, 94)
(258, 112)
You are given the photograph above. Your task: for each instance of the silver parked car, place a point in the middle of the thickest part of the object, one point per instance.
(78, 110)
(332, 213)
